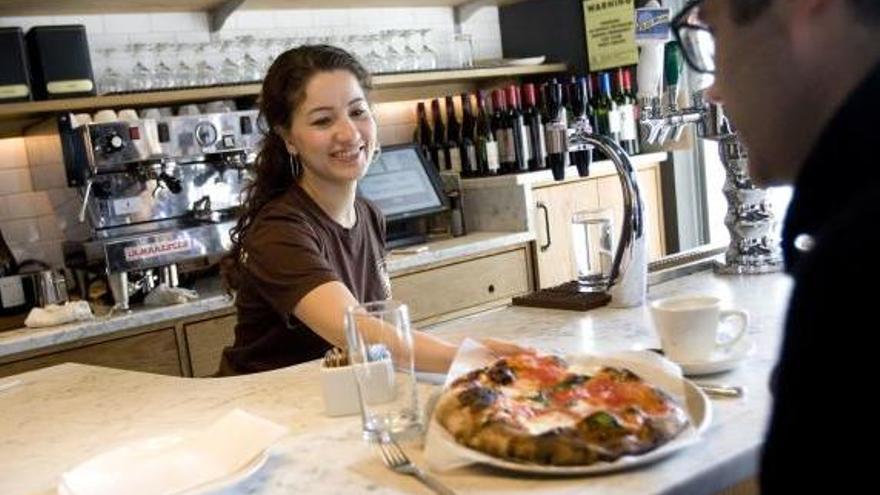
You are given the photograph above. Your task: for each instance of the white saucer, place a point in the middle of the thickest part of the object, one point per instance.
(721, 360)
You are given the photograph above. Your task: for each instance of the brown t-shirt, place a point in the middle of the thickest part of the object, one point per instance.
(291, 248)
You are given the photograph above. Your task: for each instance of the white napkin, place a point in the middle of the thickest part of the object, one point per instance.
(174, 463)
(163, 295)
(53, 314)
(443, 453)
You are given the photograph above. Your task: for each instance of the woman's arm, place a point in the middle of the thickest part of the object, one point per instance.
(323, 310)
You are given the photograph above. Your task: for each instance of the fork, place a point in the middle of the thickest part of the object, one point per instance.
(396, 460)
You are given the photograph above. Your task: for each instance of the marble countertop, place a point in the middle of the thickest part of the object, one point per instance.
(214, 298)
(57, 417)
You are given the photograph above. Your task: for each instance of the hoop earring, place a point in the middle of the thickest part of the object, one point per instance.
(377, 152)
(294, 165)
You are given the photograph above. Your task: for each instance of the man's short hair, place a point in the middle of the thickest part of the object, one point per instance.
(745, 10)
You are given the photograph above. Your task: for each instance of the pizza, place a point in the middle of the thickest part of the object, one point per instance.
(536, 409)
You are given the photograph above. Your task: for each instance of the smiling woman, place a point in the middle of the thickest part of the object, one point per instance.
(307, 247)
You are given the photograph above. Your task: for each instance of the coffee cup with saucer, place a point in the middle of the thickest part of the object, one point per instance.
(699, 336)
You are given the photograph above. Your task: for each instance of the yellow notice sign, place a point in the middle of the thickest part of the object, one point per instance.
(611, 38)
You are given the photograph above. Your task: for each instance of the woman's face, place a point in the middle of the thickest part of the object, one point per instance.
(332, 132)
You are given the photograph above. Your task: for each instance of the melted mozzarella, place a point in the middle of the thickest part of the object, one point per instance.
(547, 421)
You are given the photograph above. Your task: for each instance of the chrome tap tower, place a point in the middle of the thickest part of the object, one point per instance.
(754, 246)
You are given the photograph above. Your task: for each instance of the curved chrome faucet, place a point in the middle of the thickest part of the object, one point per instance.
(628, 280)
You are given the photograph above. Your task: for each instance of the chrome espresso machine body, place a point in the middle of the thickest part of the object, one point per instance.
(156, 193)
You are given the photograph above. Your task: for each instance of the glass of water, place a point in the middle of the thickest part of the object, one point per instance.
(593, 248)
(380, 349)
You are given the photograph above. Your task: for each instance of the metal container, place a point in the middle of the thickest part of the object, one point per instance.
(19, 293)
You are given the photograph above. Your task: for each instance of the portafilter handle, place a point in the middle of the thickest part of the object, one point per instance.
(86, 196)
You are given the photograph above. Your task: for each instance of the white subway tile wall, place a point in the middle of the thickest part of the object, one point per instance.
(38, 211)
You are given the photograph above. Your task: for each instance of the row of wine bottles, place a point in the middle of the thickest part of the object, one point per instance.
(517, 128)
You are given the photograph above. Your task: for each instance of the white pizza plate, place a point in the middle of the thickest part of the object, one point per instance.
(721, 359)
(698, 407)
(158, 444)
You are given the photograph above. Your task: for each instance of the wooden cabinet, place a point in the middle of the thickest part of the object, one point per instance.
(152, 352)
(466, 286)
(649, 184)
(205, 341)
(554, 205)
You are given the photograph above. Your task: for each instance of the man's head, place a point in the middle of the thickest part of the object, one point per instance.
(783, 67)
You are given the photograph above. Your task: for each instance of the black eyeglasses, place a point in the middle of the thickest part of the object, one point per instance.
(695, 38)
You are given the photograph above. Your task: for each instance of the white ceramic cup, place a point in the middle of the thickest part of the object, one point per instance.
(128, 115)
(105, 115)
(339, 387)
(688, 326)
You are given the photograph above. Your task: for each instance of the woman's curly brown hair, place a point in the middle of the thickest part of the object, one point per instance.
(283, 91)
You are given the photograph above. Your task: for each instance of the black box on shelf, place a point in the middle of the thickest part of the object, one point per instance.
(554, 28)
(59, 61)
(14, 77)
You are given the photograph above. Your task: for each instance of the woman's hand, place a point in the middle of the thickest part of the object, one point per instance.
(506, 348)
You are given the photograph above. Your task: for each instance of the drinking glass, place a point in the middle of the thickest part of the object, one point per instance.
(410, 57)
(163, 74)
(141, 75)
(185, 72)
(463, 51)
(592, 238)
(380, 349)
(427, 57)
(110, 80)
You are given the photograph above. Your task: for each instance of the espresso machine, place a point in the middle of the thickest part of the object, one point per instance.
(155, 193)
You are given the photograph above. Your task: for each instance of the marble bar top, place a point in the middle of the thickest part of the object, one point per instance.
(55, 418)
(214, 298)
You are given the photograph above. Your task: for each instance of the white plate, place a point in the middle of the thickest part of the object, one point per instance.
(242, 474)
(526, 61)
(698, 407)
(158, 444)
(721, 360)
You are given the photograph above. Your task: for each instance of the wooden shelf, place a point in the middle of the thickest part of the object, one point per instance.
(65, 7)
(14, 117)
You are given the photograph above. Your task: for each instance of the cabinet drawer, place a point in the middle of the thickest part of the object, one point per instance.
(206, 340)
(463, 285)
(153, 352)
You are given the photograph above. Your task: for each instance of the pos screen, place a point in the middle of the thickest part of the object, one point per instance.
(403, 184)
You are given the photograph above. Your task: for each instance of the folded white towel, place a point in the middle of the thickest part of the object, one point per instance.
(174, 463)
(163, 295)
(53, 314)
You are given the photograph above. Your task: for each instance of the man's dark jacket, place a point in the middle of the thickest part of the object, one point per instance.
(826, 415)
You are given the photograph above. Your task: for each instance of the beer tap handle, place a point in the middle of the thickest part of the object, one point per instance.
(86, 197)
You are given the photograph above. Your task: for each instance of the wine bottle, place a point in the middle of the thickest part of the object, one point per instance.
(468, 138)
(453, 138)
(486, 144)
(423, 131)
(582, 155)
(503, 133)
(626, 106)
(607, 114)
(522, 151)
(438, 151)
(535, 126)
(556, 129)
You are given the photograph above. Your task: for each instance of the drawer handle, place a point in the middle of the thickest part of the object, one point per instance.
(491, 288)
(546, 224)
